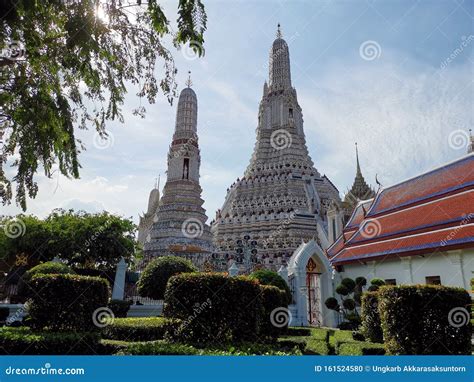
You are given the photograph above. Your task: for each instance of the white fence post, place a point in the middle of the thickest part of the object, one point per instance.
(119, 281)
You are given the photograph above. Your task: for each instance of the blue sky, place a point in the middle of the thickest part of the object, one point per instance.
(409, 106)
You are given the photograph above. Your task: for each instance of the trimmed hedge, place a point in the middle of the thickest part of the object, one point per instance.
(138, 329)
(213, 307)
(360, 348)
(275, 317)
(153, 280)
(306, 345)
(22, 341)
(371, 327)
(167, 348)
(48, 268)
(298, 331)
(119, 308)
(67, 302)
(267, 277)
(421, 319)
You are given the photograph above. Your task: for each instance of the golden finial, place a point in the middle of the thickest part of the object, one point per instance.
(279, 31)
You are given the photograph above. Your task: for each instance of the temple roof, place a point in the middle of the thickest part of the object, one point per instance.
(432, 211)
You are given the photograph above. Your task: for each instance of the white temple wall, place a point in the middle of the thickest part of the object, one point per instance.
(455, 268)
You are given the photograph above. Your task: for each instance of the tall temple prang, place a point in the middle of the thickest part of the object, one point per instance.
(179, 225)
(281, 201)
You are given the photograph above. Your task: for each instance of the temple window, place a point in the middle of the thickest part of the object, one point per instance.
(433, 280)
(186, 168)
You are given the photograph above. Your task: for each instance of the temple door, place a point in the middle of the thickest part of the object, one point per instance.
(314, 294)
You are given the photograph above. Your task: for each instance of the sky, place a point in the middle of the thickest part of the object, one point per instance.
(394, 76)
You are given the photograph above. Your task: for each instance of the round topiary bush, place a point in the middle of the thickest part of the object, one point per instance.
(349, 304)
(349, 284)
(266, 277)
(342, 290)
(332, 303)
(48, 268)
(153, 280)
(377, 282)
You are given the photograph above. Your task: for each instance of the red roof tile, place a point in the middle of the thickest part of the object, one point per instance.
(431, 241)
(449, 210)
(451, 177)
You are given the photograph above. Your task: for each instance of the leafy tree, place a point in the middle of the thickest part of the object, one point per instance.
(80, 239)
(67, 67)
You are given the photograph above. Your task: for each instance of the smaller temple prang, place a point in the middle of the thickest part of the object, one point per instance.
(360, 190)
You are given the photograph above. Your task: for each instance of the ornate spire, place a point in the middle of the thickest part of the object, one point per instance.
(186, 114)
(279, 73)
(189, 83)
(360, 189)
(157, 182)
(470, 148)
(357, 159)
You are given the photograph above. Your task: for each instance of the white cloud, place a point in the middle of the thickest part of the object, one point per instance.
(401, 117)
